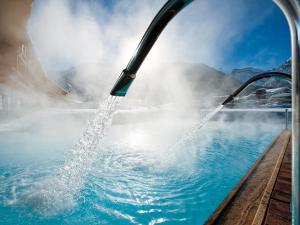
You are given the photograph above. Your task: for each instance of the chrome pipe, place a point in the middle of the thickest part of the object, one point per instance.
(291, 10)
(286, 115)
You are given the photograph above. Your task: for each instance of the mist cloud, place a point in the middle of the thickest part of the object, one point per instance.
(78, 33)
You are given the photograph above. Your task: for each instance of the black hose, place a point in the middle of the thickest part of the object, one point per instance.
(260, 76)
(160, 21)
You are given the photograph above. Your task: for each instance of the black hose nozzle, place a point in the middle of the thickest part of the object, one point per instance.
(228, 99)
(123, 83)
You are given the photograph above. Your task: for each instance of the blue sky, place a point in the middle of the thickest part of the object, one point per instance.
(255, 32)
(265, 45)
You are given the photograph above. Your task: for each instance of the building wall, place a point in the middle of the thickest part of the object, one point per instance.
(20, 69)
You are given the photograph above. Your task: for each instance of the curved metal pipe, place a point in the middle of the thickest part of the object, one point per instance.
(160, 21)
(291, 10)
(253, 79)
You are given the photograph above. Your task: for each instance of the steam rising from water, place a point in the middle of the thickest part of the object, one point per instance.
(57, 193)
(97, 38)
(190, 135)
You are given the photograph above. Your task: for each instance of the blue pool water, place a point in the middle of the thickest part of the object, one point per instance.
(139, 177)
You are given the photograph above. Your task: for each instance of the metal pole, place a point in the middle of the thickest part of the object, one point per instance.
(291, 9)
(286, 119)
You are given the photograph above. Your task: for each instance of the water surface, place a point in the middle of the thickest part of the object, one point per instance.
(138, 176)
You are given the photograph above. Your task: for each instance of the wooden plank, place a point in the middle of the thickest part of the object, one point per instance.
(279, 208)
(283, 186)
(263, 205)
(276, 220)
(281, 196)
(285, 175)
(279, 205)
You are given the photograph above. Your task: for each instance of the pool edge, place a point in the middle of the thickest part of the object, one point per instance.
(222, 215)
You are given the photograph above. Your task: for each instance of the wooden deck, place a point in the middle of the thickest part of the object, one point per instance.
(263, 195)
(278, 212)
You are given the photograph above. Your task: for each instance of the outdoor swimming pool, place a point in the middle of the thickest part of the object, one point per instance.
(137, 178)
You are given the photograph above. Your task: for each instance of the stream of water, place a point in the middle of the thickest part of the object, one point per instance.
(190, 134)
(58, 192)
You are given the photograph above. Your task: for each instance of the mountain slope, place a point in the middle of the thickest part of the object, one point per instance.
(244, 74)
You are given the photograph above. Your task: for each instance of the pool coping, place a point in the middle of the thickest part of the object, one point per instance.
(264, 201)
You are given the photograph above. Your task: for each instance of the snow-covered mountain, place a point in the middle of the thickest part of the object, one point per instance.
(244, 74)
(285, 67)
(276, 83)
(277, 91)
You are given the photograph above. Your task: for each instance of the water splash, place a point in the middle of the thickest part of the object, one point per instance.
(57, 192)
(85, 152)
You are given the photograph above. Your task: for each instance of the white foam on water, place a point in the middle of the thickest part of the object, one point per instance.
(57, 193)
